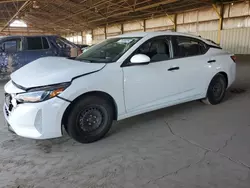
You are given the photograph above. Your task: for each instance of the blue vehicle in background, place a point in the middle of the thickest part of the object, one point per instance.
(17, 51)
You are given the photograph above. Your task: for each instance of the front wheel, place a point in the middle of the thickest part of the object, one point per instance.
(216, 90)
(90, 119)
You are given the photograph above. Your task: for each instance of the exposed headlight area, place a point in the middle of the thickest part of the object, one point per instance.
(40, 94)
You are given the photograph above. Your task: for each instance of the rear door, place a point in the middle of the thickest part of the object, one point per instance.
(37, 47)
(11, 55)
(192, 62)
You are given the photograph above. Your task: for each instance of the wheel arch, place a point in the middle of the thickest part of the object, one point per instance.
(100, 94)
(225, 75)
(222, 73)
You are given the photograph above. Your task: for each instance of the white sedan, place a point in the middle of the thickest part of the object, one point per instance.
(121, 77)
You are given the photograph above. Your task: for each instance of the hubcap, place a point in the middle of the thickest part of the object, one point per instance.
(90, 119)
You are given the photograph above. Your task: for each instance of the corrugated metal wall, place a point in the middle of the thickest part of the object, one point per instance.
(236, 40)
(212, 35)
(235, 35)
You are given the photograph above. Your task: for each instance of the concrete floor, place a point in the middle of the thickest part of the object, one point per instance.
(189, 145)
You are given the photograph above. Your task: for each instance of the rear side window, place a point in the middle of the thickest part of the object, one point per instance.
(187, 46)
(34, 43)
(37, 43)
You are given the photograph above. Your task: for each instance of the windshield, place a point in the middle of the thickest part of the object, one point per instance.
(109, 50)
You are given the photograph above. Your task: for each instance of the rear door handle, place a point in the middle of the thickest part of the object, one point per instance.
(173, 68)
(211, 61)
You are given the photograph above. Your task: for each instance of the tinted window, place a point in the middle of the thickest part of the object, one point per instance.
(187, 46)
(157, 49)
(12, 45)
(34, 43)
(45, 43)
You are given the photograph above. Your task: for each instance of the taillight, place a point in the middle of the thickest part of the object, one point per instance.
(233, 57)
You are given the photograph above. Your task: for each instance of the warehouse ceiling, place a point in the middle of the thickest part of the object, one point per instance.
(77, 15)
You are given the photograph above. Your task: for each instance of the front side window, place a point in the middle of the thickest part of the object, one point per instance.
(34, 43)
(109, 50)
(12, 45)
(157, 49)
(187, 46)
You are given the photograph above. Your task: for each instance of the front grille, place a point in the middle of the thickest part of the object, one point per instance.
(6, 112)
(8, 99)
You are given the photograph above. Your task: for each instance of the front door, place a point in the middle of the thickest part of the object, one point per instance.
(152, 85)
(190, 57)
(11, 55)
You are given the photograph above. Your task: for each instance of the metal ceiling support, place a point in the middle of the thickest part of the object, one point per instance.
(172, 19)
(121, 12)
(78, 15)
(220, 24)
(33, 20)
(10, 1)
(92, 35)
(122, 28)
(137, 9)
(144, 25)
(14, 16)
(105, 31)
(175, 22)
(6, 8)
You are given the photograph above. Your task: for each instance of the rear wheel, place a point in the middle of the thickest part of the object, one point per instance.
(90, 119)
(216, 90)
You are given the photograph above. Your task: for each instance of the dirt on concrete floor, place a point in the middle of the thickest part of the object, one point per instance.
(189, 145)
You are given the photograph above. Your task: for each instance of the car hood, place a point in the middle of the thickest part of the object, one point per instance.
(52, 70)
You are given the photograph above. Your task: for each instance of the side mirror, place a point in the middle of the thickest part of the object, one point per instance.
(140, 59)
(1, 49)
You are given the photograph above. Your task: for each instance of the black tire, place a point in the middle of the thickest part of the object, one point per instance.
(90, 119)
(216, 90)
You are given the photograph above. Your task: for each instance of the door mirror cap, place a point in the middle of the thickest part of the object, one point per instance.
(140, 59)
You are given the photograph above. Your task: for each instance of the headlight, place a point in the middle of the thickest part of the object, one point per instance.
(41, 94)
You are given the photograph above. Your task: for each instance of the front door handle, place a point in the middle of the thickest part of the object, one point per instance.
(173, 68)
(211, 61)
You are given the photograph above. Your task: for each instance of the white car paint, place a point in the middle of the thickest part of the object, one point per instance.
(43, 69)
(140, 58)
(134, 89)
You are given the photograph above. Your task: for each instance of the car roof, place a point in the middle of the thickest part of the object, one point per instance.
(14, 36)
(159, 33)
